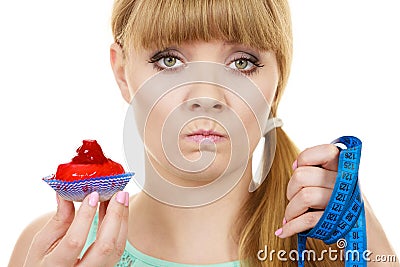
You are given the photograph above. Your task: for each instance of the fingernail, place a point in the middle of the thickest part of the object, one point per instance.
(294, 166)
(121, 197)
(284, 221)
(126, 199)
(278, 232)
(93, 199)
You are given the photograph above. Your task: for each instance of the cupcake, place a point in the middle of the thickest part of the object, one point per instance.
(87, 172)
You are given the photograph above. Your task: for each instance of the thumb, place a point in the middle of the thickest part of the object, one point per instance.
(65, 211)
(56, 227)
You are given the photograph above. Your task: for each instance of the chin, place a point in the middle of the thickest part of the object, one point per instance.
(210, 174)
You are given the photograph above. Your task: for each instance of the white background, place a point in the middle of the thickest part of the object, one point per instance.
(56, 88)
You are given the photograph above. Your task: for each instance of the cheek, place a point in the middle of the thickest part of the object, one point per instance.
(254, 114)
(268, 78)
(150, 114)
(248, 119)
(154, 123)
(136, 76)
(268, 84)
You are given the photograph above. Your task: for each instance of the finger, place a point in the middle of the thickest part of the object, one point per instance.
(307, 198)
(121, 240)
(325, 156)
(70, 247)
(300, 224)
(103, 250)
(123, 232)
(309, 176)
(55, 228)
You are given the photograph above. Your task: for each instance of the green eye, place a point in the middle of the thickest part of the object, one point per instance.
(169, 61)
(241, 64)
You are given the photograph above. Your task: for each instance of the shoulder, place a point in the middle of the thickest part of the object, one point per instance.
(25, 239)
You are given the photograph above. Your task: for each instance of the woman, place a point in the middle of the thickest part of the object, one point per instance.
(254, 39)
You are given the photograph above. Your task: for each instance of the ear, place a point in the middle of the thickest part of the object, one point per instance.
(118, 66)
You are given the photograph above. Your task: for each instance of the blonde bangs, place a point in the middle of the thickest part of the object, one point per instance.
(159, 24)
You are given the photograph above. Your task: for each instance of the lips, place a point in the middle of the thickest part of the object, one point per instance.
(206, 135)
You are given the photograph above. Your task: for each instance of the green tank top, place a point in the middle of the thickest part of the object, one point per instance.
(134, 258)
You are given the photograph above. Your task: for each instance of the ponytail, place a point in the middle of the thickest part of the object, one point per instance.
(264, 211)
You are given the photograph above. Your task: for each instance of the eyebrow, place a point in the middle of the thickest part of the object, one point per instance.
(242, 47)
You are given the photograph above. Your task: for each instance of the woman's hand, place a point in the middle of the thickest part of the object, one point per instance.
(309, 189)
(62, 239)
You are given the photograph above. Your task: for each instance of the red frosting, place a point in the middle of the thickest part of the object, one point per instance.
(89, 163)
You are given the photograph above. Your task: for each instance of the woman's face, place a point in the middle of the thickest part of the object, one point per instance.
(140, 65)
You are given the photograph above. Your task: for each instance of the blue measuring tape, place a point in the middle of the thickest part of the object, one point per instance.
(344, 217)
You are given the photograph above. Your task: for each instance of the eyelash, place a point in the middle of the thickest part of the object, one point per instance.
(154, 60)
(254, 70)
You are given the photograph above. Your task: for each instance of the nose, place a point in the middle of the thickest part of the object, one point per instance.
(206, 104)
(205, 98)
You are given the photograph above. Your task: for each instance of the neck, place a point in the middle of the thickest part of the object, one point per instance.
(201, 235)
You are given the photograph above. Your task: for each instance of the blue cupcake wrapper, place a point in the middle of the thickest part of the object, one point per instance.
(106, 186)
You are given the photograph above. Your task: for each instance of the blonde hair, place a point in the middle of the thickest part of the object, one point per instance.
(263, 24)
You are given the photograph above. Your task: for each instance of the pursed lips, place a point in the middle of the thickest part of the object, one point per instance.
(205, 135)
